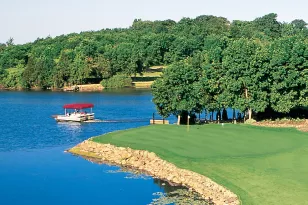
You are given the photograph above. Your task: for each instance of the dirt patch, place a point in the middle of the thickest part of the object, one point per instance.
(145, 84)
(301, 125)
(90, 87)
(84, 88)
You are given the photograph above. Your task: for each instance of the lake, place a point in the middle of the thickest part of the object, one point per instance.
(34, 169)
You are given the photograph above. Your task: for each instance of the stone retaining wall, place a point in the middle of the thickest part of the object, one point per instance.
(156, 167)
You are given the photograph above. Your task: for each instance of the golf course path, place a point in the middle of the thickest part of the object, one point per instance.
(151, 164)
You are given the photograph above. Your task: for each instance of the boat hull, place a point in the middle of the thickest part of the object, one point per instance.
(75, 117)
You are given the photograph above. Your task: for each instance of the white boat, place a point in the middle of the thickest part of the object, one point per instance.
(76, 112)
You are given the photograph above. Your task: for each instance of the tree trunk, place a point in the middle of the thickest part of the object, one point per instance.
(246, 93)
(234, 119)
(249, 109)
(179, 118)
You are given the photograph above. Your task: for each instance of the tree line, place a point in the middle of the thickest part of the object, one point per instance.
(90, 57)
(263, 74)
(252, 66)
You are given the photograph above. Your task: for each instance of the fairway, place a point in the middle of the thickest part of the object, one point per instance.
(261, 165)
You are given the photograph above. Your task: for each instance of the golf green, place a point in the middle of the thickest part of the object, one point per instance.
(261, 165)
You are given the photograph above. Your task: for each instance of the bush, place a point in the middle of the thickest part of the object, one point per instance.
(251, 121)
(10, 78)
(117, 81)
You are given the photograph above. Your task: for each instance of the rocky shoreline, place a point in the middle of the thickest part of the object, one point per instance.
(151, 164)
(79, 88)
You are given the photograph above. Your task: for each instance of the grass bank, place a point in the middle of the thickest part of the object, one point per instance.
(261, 165)
(148, 77)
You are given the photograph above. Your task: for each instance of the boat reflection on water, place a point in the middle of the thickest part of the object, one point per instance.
(71, 128)
(69, 124)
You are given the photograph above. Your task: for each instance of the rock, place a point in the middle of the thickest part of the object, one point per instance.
(152, 155)
(152, 164)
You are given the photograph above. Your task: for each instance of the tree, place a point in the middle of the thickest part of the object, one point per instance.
(213, 78)
(61, 73)
(102, 67)
(79, 70)
(2, 47)
(181, 48)
(11, 78)
(246, 77)
(289, 60)
(10, 42)
(178, 91)
(299, 24)
(268, 24)
(211, 25)
(242, 29)
(29, 75)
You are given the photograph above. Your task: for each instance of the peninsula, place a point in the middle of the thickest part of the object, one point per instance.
(249, 162)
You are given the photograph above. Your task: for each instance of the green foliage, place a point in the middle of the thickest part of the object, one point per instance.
(268, 24)
(10, 77)
(213, 76)
(117, 81)
(248, 74)
(246, 65)
(10, 42)
(250, 121)
(143, 78)
(299, 24)
(178, 91)
(288, 73)
(242, 29)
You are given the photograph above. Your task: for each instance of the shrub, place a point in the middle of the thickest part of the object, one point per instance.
(117, 81)
(251, 121)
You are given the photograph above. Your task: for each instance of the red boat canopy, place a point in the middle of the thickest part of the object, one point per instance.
(78, 106)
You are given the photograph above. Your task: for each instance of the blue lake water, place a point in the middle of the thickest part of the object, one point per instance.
(35, 170)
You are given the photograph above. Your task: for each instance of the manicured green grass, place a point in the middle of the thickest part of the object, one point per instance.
(148, 74)
(261, 165)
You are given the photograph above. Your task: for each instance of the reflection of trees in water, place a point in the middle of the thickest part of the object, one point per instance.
(177, 195)
(166, 186)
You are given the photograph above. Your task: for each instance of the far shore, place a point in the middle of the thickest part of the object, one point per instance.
(81, 88)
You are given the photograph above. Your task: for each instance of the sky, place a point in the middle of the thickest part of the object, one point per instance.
(27, 20)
